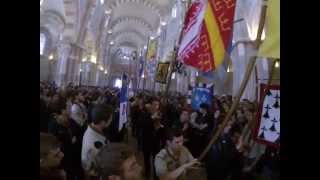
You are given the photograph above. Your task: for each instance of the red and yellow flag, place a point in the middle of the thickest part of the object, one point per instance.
(207, 33)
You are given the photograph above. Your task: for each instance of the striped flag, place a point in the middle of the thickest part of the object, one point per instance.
(123, 102)
(207, 34)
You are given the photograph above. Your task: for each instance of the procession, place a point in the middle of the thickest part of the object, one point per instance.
(159, 90)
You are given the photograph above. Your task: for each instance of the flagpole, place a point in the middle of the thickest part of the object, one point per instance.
(175, 53)
(144, 64)
(139, 76)
(244, 82)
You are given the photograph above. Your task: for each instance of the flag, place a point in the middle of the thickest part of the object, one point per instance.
(123, 102)
(162, 72)
(141, 64)
(152, 50)
(207, 34)
(267, 130)
(271, 46)
(151, 67)
(201, 94)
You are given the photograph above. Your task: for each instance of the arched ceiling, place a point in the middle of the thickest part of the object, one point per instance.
(133, 21)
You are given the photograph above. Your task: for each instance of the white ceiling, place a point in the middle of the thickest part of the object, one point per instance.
(134, 21)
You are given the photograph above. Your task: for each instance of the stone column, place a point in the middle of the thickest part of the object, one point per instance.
(64, 50)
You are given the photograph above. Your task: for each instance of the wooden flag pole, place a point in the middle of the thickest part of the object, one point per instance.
(144, 65)
(244, 82)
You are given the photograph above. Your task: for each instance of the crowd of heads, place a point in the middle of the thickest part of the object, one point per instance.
(182, 125)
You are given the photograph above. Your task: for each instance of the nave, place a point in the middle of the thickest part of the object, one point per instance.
(159, 90)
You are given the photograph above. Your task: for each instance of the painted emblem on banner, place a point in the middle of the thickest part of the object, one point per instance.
(201, 95)
(162, 72)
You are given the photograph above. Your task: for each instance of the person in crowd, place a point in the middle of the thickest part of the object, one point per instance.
(50, 158)
(159, 141)
(271, 163)
(60, 127)
(78, 112)
(147, 131)
(113, 133)
(203, 126)
(101, 119)
(217, 110)
(185, 127)
(118, 162)
(135, 115)
(140, 112)
(224, 156)
(174, 160)
(44, 115)
(55, 104)
(77, 125)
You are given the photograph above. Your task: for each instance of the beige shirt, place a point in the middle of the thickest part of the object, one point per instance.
(165, 163)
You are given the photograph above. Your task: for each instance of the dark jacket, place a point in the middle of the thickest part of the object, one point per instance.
(224, 159)
(44, 116)
(52, 175)
(64, 135)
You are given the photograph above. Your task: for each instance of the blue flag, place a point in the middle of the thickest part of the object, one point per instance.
(201, 95)
(123, 102)
(141, 64)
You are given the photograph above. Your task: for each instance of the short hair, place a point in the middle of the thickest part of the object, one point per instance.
(48, 142)
(101, 112)
(109, 160)
(171, 133)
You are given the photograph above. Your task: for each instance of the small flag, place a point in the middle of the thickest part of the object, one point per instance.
(123, 102)
(141, 64)
(202, 93)
(152, 50)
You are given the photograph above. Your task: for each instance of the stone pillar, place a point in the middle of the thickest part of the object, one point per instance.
(64, 50)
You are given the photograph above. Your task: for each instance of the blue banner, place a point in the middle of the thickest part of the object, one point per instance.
(141, 64)
(123, 102)
(201, 95)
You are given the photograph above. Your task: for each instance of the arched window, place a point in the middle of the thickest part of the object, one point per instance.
(42, 43)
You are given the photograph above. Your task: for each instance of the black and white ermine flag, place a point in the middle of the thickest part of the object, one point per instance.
(268, 116)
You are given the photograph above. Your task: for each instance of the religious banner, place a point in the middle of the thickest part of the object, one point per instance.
(268, 116)
(123, 102)
(152, 50)
(162, 72)
(207, 34)
(151, 67)
(201, 95)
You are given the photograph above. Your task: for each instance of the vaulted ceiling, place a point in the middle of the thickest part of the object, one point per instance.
(132, 22)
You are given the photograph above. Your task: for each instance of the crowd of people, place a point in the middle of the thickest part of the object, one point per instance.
(83, 122)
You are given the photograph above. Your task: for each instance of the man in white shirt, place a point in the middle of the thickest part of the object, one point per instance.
(78, 111)
(94, 137)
